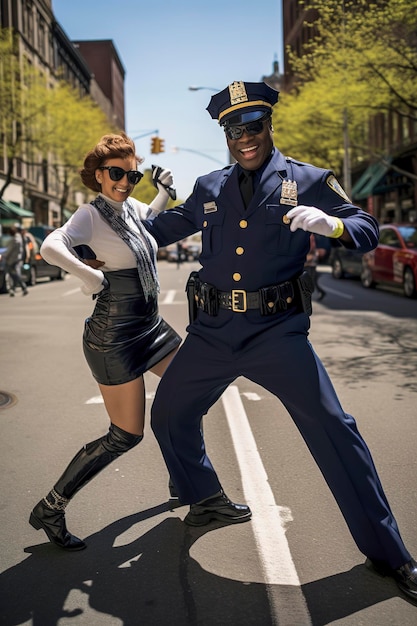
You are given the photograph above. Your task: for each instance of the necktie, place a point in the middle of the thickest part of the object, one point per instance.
(246, 187)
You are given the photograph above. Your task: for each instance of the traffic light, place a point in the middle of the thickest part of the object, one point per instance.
(157, 145)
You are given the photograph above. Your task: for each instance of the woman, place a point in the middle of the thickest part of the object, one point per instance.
(125, 336)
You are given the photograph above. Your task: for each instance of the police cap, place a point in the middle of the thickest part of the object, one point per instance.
(241, 103)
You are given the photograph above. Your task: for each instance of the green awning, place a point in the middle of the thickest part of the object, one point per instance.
(10, 209)
(367, 185)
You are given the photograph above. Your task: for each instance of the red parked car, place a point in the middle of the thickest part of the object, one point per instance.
(394, 260)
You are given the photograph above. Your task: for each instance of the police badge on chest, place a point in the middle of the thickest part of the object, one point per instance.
(289, 193)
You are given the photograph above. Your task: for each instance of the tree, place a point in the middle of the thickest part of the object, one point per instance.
(72, 124)
(22, 104)
(361, 62)
(48, 126)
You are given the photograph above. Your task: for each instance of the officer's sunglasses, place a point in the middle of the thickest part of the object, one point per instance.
(117, 173)
(253, 128)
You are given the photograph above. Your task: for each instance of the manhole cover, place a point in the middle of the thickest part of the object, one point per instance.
(7, 399)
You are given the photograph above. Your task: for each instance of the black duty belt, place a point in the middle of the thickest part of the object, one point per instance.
(239, 300)
(267, 300)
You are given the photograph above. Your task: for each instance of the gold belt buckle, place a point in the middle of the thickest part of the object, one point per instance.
(237, 306)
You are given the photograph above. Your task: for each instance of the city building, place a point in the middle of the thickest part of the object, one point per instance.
(33, 192)
(275, 79)
(386, 187)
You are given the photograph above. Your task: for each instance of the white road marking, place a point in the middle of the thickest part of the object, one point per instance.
(341, 294)
(99, 399)
(95, 400)
(71, 292)
(269, 520)
(169, 297)
(251, 396)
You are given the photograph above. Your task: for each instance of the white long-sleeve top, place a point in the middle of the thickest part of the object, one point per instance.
(87, 227)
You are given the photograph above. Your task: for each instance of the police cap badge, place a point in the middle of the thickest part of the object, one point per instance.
(241, 103)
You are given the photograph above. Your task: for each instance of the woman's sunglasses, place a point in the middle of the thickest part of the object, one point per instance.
(117, 173)
(253, 128)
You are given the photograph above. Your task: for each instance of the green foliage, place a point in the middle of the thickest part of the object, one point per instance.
(22, 99)
(362, 60)
(72, 126)
(43, 122)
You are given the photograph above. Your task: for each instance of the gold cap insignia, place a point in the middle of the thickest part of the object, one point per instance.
(237, 92)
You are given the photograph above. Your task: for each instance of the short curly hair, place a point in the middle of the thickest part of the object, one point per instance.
(109, 147)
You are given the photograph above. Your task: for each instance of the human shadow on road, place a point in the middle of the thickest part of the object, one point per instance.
(335, 597)
(154, 580)
(151, 580)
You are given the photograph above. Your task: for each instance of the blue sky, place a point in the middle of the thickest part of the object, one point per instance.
(165, 46)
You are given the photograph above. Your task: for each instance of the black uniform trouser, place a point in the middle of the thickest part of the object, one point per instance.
(279, 357)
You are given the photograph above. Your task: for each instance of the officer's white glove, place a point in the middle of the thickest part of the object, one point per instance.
(163, 180)
(314, 220)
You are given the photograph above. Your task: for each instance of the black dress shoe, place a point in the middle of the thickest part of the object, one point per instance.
(405, 576)
(220, 508)
(53, 523)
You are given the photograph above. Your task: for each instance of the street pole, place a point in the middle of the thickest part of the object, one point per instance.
(206, 156)
(347, 173)
(194, 88)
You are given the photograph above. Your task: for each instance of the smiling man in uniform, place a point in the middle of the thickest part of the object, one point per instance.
(250, 306)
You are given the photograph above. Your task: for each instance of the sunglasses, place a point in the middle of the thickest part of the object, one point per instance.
(253, 128)
(117, 173)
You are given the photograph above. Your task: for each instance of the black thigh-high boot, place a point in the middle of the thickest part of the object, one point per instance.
(49, 513)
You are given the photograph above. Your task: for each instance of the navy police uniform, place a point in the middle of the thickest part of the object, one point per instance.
(241, 330)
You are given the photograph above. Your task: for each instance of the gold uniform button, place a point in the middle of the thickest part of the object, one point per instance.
(243, 224)
(286, 219)
(205, 224)
(236, 276)
(240, 250)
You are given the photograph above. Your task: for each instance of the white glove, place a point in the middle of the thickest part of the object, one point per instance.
(163, 180)
(166, 178)
(314, 220)
(94, 285)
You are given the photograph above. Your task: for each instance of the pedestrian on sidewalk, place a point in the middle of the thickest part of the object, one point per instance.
(125, 336)
(15, 255)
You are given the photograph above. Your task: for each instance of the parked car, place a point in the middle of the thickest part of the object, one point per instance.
(191, 250)
(38, 268)
(394, 260)
(345, 263)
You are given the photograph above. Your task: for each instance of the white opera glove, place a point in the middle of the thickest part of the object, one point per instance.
(95, 283)
(314, 220)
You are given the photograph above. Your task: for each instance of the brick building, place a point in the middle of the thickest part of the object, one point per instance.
(386, 187)
(33, 193)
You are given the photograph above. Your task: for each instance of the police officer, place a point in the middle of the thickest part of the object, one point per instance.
(252, 304)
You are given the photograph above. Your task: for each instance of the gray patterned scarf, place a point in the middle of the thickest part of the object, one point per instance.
(139, 243)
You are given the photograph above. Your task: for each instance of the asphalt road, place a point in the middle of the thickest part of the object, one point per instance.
(294, 564)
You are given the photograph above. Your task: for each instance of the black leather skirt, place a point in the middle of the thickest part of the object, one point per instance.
(125, 335)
